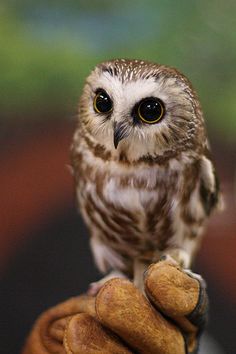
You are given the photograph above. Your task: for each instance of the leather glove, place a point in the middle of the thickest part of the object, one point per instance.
(167, 320)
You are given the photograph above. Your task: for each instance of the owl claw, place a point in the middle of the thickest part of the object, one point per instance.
(178, 257)
(167, 257)
(195, 276)
(96, 286)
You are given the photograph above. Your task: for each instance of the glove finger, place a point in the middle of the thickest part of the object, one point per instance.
(47, 333)
(85, 335)
(123, 309)
(179, 295)
(175, 292)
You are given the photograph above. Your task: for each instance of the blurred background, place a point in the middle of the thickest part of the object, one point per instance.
(47, 48)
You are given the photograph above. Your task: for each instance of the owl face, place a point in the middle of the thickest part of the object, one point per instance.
(140, 108)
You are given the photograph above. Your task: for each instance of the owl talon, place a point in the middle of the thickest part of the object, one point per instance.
(96, 286)
(178, 257)
(195, 276)
(163, 258)
(167, 257)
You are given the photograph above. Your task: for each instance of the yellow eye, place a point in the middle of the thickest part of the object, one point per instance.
(151, 110)
(102, 102)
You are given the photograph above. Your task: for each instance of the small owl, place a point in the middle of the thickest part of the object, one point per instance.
(145, 181)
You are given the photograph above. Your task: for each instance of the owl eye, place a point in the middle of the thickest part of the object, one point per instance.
(102, 102)
(151, 110)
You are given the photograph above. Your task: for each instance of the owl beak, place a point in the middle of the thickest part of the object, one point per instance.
(120, 132)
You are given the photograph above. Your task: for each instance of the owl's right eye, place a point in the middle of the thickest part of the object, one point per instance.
(102, 102)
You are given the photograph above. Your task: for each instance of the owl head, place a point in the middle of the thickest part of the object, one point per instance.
(139, 108)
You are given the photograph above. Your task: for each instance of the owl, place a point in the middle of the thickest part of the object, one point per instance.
(145, 181)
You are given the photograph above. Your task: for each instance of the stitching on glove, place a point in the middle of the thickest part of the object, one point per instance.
(198, 317)
(185, 344)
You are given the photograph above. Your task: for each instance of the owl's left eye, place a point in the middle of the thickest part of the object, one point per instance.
(102, 102)
(150, 110)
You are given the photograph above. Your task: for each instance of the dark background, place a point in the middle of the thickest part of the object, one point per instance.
(46, 50)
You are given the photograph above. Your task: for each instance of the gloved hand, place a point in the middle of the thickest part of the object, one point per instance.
(120, 320)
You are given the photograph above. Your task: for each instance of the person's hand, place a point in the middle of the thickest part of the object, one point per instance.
(121, 320)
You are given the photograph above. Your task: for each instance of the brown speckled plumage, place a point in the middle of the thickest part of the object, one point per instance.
(153, 194)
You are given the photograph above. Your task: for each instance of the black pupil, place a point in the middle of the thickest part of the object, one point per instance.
(103, 102)
(151, 110)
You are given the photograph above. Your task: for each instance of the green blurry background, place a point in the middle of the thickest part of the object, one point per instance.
(48, 47)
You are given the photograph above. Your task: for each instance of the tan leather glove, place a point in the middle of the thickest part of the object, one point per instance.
(121, 320)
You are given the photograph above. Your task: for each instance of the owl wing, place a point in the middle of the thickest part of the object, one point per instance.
(209, 186)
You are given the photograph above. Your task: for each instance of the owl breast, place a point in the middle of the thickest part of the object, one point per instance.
(133, 210)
